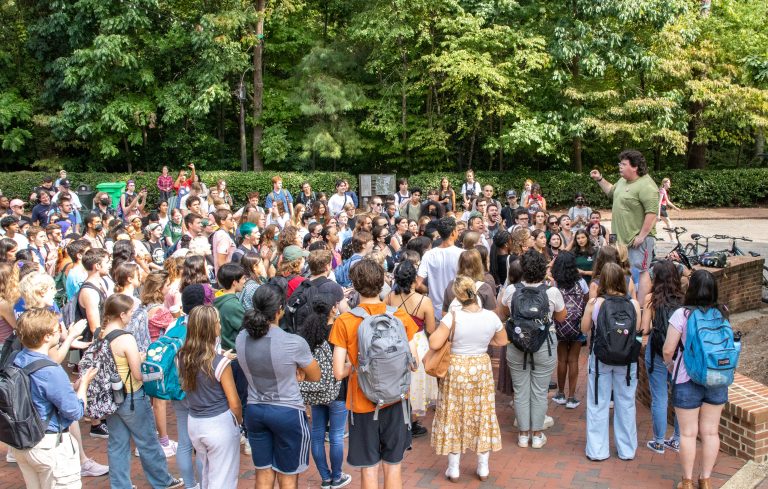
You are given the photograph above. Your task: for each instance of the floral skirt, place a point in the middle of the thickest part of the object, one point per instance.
(466, 412)
(423, 387)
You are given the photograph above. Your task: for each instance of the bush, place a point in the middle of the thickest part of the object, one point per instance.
(701, 188)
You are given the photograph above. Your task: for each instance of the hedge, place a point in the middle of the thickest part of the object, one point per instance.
(699, 188)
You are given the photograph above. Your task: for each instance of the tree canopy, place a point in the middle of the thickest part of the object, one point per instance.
(401, 86)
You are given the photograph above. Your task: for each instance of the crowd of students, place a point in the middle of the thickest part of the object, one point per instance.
(267, 309)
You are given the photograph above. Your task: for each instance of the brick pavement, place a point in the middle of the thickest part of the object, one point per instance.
(561, 464)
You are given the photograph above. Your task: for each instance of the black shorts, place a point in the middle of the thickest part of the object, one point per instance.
(386, 439)
(663, 211)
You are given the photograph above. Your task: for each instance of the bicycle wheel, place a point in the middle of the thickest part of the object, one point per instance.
(690, 249)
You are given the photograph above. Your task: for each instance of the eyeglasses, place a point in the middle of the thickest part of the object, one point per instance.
(552, 223)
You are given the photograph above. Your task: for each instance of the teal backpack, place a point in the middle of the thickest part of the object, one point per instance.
(710, 352)
(160, 370)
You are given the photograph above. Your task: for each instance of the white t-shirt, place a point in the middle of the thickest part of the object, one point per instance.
(556, 302)
(439, 265)
(474, 330)
(475, 186)
(337, 202)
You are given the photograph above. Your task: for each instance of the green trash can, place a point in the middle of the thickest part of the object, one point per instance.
(114, 189)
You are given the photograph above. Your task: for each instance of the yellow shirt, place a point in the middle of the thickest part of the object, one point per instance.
(123, 370)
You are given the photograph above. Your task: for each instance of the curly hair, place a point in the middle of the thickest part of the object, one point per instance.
(316, 328)
(534, 266)
(666, 289)
(564, 270)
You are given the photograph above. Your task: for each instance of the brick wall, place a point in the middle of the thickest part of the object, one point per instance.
(740, 283)
(744, 421)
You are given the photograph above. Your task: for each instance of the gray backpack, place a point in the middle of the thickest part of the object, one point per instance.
(384, 360)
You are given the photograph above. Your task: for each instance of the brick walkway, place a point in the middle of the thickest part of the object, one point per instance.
(561, 464)
(701, 213)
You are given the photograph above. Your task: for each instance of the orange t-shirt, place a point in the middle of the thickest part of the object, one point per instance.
(344, 335)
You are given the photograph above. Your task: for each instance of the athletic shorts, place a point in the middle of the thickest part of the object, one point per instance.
(641, 256)
(663, 211)
(386, 439)
(279, 438)
(691, 395)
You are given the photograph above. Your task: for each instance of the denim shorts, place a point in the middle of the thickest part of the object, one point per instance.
(690, 395)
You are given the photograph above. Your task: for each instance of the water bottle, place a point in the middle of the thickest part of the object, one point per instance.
(118, 393)
(737, 341)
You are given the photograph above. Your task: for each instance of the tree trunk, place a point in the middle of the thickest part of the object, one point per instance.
(241, 121)
(576, 154)
(697, 152)
(501, 146)
(258, 86)
(657, 158)
(128, 154)
(759, 143)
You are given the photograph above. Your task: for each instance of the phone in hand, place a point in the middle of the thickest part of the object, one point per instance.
(611, 238)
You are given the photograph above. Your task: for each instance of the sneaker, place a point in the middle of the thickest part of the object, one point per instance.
(539, 441)
(572, 403)
(559, 398)
(655, 446)
(170, 449)
(175, 483)
(344, 480)
(610, 406)
(10, 458)
(548, 422)
(522, 441)
(136, 452)
(672, 444)
(325, 485)
(100, 430)
(91, 468)
(552, 385)
(417, 430)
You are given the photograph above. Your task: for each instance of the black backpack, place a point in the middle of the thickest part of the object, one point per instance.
(11, 347)
(282, 283)
(614, 339)
(299, 305)
(660, 323)
(20, 423)
(529, 322)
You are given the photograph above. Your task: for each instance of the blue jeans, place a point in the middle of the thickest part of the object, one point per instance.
(138, 424)
(337, 412)
(658, 381)
(185, 460)
(614, 378)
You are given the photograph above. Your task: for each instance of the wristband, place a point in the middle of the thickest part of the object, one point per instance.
(601, 179)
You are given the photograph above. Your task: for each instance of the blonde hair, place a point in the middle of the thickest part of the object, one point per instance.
(9, 282)
(33, 288)
(464, 290)
(623, 253)
(518, 239)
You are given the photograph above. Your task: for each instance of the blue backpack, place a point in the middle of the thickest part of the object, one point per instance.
(160, 371)
(342, 271)
(709, 352)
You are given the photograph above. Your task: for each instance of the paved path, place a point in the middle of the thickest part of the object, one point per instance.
(561, 464)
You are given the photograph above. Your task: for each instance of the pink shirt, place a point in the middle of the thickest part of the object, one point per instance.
(678, 321)
(222, 245)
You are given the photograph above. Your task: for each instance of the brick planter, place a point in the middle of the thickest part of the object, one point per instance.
(740, 283)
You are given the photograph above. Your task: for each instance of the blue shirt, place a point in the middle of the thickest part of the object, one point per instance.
(283, 195)
(51, 392)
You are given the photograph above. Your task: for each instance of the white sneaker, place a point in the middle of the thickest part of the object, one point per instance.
(10, 458)
(522, 440)
(170, 450)
(91, 468)
(539, 441)
(548, 422)
(243, 439)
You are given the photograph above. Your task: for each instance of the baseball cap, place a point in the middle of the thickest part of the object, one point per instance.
(64, 182)
(17, 202)
(205, 222)
(151, 227)
(293, 252)
(511, 193)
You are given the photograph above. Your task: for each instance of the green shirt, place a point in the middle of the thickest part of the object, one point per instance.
(632, 201)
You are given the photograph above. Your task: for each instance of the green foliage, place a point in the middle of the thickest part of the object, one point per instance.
(708, 188)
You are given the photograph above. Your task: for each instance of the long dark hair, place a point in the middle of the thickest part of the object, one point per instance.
(268, 300)
(564, 271)
(702, 292)
(577, 250)
(122, 252)
(193, 271)
(405, 275)
(666, 290)
(500, 240)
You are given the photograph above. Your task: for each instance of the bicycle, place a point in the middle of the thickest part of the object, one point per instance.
(695, 249)
(734, 249)
(678, 253)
